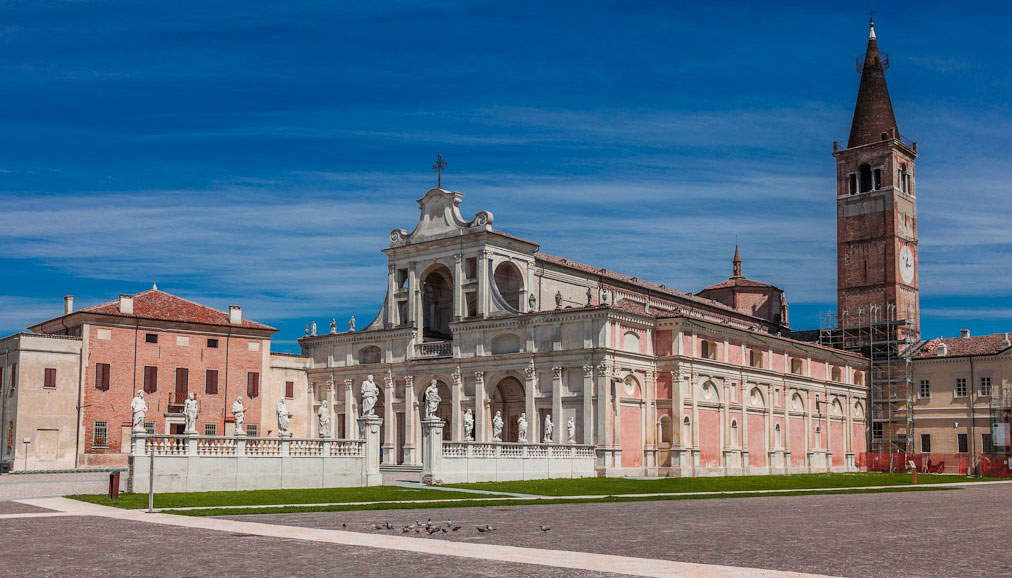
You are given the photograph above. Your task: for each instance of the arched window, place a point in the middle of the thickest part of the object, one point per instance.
(370, 354)
(709, 392)
(797, 403)
(631, 386)
(864, 176)
(778, 440)
(734, 433)
(437, 303)
(755, 398)
(858, 378)
(664, 429)
(858, 410)
(686, 432)
(837, 374)
(755, 358)
(510, 283)
(836, 408)
(631, 341)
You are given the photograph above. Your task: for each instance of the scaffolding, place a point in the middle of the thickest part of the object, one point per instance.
(888, 343)
(1001, 419)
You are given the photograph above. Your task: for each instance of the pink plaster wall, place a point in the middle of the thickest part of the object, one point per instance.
(836, 442)
(686, 345)
(709, 438)
(783, 432)
(663, 385)
(662, 342)
(818, 370)
(756, 440)
(797, 446)
(778, 363)
(734, 353)
(857, 437)
(632, 436)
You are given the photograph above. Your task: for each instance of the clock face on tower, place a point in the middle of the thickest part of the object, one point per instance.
(906, 265)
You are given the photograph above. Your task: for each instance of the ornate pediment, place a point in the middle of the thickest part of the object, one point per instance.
(440, 217)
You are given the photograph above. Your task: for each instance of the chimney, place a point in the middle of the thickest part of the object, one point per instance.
(68, 304)
(964, 333)
(126, 304)
(234, 314)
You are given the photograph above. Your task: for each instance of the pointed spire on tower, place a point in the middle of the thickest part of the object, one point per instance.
(736, 263)
(873, 113)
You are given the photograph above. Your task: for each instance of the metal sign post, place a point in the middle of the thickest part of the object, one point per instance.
(151, 481)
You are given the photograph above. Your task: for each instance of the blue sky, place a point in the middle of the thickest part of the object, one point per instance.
(259, 153)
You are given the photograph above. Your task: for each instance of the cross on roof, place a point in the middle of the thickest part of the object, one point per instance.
(438, 167)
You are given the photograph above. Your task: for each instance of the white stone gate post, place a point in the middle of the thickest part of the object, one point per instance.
(369, 428)
(432, 449)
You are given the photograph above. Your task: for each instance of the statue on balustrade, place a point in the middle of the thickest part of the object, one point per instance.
(239, 416)
(370, 393)
(432, 400)
(497, 427)
(549, 428)
(324, 415)
(138, 407)
(571, 430)
(522, 426)
(284, 419)
(190, 413)
(468, 426)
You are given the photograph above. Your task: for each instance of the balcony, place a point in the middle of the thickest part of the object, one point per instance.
(433, 349)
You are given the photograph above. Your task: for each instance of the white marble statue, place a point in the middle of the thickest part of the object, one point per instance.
(497, 427)
(468, 425)
(370, 393)
(549, 428)
(571, 430)
(284, 418)
(432, 399)
(312, 328)
(239, 416)
(324, 416)
(522, 426)
(138, 407)
(333, 326)
(190, 413)
(351, 323)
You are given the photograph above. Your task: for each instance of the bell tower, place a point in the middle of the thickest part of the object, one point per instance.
(876, 210)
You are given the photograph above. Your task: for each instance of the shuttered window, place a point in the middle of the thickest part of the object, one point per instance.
(102, 380)
(182, 383)
(50, 378)
(252, 384)
(150, 379)
(289, 389)
(211, 382)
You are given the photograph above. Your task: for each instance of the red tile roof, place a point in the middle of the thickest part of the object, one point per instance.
(739, 282)
(963, 346)
(155, 304)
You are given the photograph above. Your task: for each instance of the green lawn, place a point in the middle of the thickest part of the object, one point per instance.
(503, 503)
(268, 497)
(608, 486)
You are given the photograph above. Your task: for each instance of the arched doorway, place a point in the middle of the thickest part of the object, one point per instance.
(437, 304)
(508, 398)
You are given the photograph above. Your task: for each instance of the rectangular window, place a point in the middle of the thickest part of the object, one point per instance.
(14, 377)
(986, 443)
(289, 389)
(210, 429)
(960, 387)
(149, 428)
(471, 267)
(876, 179)
(961, 443)
(985, 387)
(151, 338)
(924, 389)
(252, 430)
(182, 383)
(102, 371)
(212, 344)
(100, 435)
(50, 378)
(925, 443)
(876, 430)
(252, 384)
(150, 379)
(211, 382)
(853, 183)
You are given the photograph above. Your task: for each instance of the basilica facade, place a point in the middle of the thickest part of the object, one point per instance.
(661, 382)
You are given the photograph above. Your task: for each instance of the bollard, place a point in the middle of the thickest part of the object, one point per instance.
(114, 485)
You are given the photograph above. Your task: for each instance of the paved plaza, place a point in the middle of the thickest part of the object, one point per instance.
(897, 534)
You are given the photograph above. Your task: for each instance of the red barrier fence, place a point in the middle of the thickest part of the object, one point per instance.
(925, 463)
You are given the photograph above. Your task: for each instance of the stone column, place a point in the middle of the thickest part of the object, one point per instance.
(481, 421)
(432, 449)
(530, 380)
(413, 313)
(390, 432)
(137, 441)
(588, 404)
(483, 282)
(349, 410)
(458, 293)
(312, 421)
(391, 309)
(331, 402)
(456, 415)
(601, 437)
(410, 417)
(650, 409)
(558, 423)
(370, 429)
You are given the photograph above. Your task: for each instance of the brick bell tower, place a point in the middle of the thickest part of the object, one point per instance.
(876, 211)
